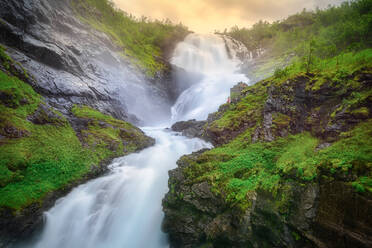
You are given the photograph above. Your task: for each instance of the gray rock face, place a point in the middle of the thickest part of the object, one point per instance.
(74, 64)
(191, 128)
(319, 214)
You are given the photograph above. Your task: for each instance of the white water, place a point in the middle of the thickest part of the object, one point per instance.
(207, 57)
(123, 208)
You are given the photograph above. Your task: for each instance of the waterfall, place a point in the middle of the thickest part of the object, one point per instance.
(206, 56)
(123, 208)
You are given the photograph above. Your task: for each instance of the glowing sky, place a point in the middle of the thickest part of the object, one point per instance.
(208, 15)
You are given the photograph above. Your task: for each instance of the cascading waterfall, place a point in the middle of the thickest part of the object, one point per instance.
(123, 208)
(207, 57)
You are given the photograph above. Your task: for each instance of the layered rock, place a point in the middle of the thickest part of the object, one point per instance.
(191, 128)
(71, 63)
(252, 191)
(43, 154)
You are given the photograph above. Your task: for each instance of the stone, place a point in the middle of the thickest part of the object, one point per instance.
(191, 128)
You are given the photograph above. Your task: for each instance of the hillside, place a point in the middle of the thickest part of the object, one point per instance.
(291, 161)
(147, 42)
(326, 33)
(291, 165)
(43, 154)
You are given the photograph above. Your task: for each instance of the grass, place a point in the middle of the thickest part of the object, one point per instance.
(336, 69)
(248, 109)
(240, 167)
(142, 40)
(38, 159)
(89, 113)
(236, 169)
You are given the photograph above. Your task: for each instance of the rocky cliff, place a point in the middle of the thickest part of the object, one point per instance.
(65, 91)
(291, 168)
(72, 63)
(45, 153)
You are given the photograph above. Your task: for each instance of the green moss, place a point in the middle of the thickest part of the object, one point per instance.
(108, 136)
(361, 112)
(238, 168)
(246, 110)
(296, 236)
(296, 156)
(90, 113)
(38, 159)
(358, 187)
(142, 40)
(280, 120)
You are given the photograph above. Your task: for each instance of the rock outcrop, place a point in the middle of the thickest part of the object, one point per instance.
(191, 128)
(252, 192)
(72, 63)
(73, 71)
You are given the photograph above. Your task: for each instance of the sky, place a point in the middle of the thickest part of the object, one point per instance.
(206, 16)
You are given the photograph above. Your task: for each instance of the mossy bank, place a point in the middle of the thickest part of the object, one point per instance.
(43, 153)
(292, 165)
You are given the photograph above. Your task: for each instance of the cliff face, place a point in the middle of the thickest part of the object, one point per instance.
(43, 153)
(61, 85)
(291, 168)
(72, 63)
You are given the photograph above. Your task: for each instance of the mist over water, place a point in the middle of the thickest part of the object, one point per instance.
(123, 209)
(207, 57)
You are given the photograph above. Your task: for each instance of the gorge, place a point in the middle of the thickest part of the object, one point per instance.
(121, 132)
(118, 210)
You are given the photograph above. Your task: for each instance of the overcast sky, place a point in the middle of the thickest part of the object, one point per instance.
(205, 16)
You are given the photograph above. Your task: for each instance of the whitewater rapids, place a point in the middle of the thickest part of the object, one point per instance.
(123, 208)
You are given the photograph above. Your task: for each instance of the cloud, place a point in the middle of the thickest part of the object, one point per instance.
(209, 15)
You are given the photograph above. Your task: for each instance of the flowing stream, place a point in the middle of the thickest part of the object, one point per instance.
(123, 209)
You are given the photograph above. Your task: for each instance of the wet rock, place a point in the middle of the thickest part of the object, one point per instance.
(69, 62)
(324, 212)
(191, 128)
(45, 115)
(14, 132)
(236, 92)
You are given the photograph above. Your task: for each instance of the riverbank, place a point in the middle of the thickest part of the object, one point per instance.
(292, 166)
(44, 154)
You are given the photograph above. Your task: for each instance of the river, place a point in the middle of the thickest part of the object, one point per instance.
(123, 208)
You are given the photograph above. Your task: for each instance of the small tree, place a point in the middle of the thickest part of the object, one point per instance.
(309, 59)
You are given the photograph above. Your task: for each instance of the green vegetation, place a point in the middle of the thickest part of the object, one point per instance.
(107, 136)
(338, 68)
(241, 166)
(238, 168)
(34, 159)
(311, 39)
(40, 157)
(246, 110)
(327, 32)
(142, 39)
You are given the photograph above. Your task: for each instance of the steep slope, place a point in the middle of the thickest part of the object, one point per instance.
(73, 63)
(61, 85)
(326, 32)
(292, 166)
(43, 153)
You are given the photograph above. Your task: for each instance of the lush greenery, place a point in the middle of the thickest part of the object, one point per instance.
(37, 158)
(242, 166)
(309, 37)
(42, 157)
(142, 39)
(329, 32)
(107, 136)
